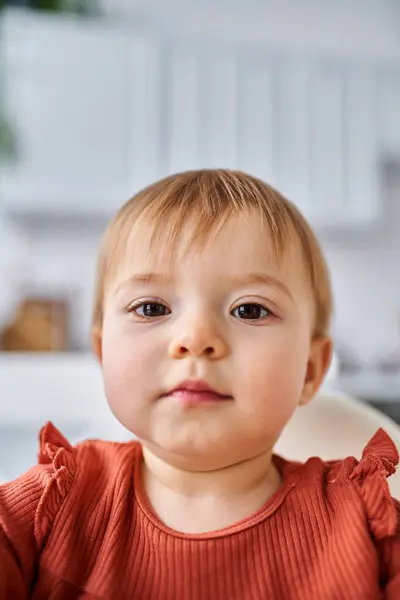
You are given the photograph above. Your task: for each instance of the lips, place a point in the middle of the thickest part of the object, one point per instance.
(197, 391)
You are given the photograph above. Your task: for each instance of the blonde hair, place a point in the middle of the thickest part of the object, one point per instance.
(211, 196)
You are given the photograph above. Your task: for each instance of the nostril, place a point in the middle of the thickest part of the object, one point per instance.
(183, 350)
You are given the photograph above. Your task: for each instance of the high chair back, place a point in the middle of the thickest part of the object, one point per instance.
(335, 426)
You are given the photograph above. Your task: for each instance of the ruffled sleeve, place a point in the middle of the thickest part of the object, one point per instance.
(28, 507)
(56, 452)
(379, 460)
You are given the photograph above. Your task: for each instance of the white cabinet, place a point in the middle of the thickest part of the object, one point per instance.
(257, 126)
(220, 110)
(326, 140)
(83, 99)
(183, 100)
(343, 144)
(305, 125)
(292, 120)
(361, 147)
(389, 111)
(201, 109)
(67, 92)
(141, 112)
(102, 112)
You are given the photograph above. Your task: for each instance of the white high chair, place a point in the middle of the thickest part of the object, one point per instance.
(335, 426)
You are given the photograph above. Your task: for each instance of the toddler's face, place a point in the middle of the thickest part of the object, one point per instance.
(226, 315)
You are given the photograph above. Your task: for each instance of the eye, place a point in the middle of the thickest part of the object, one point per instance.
(251, 312)
(148, 310)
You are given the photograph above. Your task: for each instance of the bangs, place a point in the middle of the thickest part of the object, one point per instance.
(201, 203)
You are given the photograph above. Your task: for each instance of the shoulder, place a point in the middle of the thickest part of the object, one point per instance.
(33, 501)
(105, 461)
(29, 503)
(379, 461)
(357, 487)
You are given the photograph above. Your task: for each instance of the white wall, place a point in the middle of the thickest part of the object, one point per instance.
(366, 278)
(367, 27)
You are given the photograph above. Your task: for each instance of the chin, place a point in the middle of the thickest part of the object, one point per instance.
(196, 453)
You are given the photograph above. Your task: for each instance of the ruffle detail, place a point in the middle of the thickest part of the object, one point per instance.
(55, 450)
(379, 460)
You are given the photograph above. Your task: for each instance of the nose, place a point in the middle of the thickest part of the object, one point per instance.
(198, 337)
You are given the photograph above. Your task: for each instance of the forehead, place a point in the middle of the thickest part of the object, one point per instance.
(238, 244)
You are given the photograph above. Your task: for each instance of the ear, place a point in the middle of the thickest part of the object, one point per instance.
(318, 364)
(97, 343)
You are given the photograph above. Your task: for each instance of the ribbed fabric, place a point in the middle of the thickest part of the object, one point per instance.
(79, 525)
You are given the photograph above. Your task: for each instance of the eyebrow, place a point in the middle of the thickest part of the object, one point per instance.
(240, 280)
(144, 279)
(264, 279)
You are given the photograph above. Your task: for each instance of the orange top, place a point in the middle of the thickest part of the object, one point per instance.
(78, 525)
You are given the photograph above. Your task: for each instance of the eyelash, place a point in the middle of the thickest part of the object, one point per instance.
(268, 316)
(135, 305)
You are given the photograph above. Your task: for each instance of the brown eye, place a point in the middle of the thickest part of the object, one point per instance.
(251, 312)
(150, 309)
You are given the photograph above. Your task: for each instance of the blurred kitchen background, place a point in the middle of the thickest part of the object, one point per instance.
(100, 97)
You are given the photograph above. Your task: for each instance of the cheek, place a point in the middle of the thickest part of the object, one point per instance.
(271, 373)
(128, 368)
(273, 353)
(128, 355)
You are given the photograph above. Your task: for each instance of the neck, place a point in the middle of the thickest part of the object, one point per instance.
(208, 500)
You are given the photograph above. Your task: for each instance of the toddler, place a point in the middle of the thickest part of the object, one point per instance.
(211, 325)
